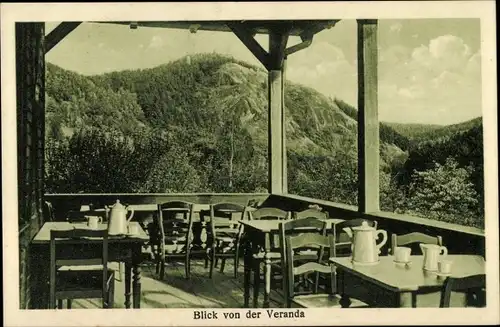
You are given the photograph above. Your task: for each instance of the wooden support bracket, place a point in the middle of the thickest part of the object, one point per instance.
(245, 36)
(59, 33)
(306, 42)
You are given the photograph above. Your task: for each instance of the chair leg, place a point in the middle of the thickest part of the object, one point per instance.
(59, 304)
(212, 262)
(111, 295)
(236, 260)
(121, 270)
(256, 284)
(206, 260)
(68, 304)
(222, 265)
(188, 266)
(158, 261)
(162, 268)
(216, 262)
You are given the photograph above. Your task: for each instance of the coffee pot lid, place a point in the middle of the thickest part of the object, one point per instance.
(118, 205)
(363, 227)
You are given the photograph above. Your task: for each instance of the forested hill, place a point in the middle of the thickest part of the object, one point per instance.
(198, 94)
(424, 132)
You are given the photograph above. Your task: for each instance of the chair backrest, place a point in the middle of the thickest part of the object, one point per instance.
(175, 222)
(297, 264)
(311, 212)
(310, 225)
(342, 239)
(474, 286)
(224, 218)
(254, 203)
(269, 214)
(58, 258)
(411, 238)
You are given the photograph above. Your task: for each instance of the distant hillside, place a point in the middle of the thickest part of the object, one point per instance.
(388, 134)
(412, 131)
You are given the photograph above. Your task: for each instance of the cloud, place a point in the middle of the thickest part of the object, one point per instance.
(325, 68)
(156, 42)
(396, 28)
(444, 52)
(415, 82)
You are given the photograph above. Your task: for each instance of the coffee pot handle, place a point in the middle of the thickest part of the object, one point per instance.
(384, 238)
(444, 251)
(131, 214)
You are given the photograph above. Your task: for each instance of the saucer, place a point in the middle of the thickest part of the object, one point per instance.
(365, 263)
(403, 262)
(442, 275)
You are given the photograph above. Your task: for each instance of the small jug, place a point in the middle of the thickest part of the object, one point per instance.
(93, 221)
(432, 253)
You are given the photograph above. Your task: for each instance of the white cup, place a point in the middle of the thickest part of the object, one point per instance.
(444, 266)
(133, 229)
(93, 221)
(402, 254)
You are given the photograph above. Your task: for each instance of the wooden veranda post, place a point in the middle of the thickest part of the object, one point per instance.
(283, 127)
(278, 39)
(368, 124)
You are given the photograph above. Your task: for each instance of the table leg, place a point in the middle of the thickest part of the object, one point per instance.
(247, 272)
(128, 273)
(136, 286)
(345, 301)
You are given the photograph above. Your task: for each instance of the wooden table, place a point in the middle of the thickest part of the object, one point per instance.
(260, 234)
(125, 249)
(390, 284)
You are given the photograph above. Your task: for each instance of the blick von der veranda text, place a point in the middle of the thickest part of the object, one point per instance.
(250, 314)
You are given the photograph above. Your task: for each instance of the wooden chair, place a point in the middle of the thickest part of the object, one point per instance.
(174, 234)
(412, 238)
(268, 213)
(474, 286)
(70, 279)
(297, 266)
(224, 233)
(78, 216)
(309, 224)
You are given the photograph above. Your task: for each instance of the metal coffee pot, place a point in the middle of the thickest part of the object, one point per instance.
(118, 221)
(365, 249)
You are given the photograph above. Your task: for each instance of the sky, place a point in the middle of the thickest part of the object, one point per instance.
(429, 69)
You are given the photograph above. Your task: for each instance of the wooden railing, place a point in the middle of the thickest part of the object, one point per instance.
(63, 203)
(457, 238)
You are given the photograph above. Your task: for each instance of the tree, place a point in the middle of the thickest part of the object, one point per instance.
(446, 193)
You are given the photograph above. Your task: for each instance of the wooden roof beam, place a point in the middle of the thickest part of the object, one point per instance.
(59, 33)
(245, 36)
